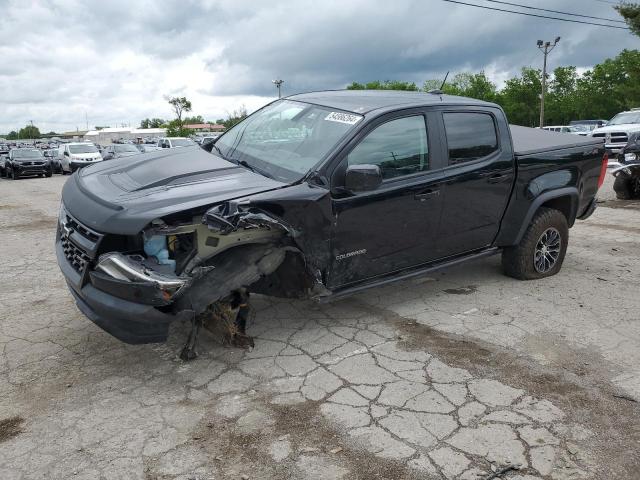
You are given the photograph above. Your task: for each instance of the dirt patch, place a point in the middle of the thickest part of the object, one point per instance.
(8, 207)
(576, 381)
(462, 290)
(619, 228)
(633, 204)
(44, 223)
(10, 427)
(234, 453)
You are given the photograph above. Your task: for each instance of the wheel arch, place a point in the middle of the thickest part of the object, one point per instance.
(564, 200)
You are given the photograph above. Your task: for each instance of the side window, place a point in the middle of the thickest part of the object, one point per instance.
(470, 136)
(398, 147)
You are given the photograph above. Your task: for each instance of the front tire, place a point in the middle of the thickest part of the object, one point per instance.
(15, 175)
(542, 248)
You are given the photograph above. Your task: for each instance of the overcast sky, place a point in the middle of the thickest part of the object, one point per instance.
(117, 60)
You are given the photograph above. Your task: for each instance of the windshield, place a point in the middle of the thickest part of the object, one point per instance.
(26, 154)
(88, 148)
(127, 148)
(181, 142)
(286, 139)
(627, 117)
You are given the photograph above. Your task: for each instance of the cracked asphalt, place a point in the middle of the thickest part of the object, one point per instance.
(454, 376)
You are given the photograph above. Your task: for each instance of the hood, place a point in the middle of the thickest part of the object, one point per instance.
(623, 127)
(123, 195)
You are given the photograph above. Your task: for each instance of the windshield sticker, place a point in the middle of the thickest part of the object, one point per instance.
(343, 118)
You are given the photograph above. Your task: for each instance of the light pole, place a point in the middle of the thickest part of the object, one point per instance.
(545, 48)
(278, 84)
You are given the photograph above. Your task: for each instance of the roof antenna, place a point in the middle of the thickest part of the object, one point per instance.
(439, 91)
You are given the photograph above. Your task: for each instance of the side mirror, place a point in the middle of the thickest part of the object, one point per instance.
(66, 154)
(362, 178)
(108, 156)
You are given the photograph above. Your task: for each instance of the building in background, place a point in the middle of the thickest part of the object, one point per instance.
(109, 135)
(205, 127)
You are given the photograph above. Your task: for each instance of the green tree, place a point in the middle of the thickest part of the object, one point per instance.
(385, 85)
(519, 97)
(631, 14)
(192, 120)
(29, 132)
(13, 135)
(235, 117)
(175, 128)
(180, 105)
(101, 127)
(152, 123)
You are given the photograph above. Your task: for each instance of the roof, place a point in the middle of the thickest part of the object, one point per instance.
(363, 101)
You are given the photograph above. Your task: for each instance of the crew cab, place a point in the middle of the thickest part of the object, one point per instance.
(617, 132)
(23, 162)
(320, 195)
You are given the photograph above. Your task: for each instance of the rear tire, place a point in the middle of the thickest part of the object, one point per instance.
(542, 248)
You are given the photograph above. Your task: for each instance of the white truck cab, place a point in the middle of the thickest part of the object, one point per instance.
(175, 142)
(73, 156)
(617, 132)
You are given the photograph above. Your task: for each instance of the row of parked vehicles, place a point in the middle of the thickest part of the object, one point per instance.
(69, 157)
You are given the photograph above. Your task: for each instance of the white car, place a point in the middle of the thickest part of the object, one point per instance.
(73, 156)
(617, 132)
(558, 128)
(175, 142)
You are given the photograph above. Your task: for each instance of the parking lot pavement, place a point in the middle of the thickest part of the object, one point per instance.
(451, 376)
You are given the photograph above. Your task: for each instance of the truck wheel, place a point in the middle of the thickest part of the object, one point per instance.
(623, 186)
(541, 250)
(49, 172)
(14, 175)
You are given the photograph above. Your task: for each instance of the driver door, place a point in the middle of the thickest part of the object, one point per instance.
(392, 227)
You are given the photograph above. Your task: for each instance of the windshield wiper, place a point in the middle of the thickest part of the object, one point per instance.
(218, 150)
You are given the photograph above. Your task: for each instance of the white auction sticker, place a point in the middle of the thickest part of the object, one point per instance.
(347, 118)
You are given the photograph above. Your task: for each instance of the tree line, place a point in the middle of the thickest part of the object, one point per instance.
(608, 88)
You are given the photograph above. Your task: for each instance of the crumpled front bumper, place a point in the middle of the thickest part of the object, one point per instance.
(133, 320)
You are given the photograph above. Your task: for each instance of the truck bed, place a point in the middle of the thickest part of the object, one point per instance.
(529, 141)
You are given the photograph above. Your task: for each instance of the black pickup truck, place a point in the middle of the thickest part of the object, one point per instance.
(320, 195)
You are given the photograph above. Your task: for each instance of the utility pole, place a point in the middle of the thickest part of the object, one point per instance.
(278, 84)
(545, 48)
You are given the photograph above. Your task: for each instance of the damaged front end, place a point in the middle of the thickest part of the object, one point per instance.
(134, 286)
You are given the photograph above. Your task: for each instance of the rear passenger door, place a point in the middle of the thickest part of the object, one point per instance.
(478, 178)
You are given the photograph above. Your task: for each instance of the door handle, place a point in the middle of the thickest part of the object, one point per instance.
(497, 178)
(426, 195)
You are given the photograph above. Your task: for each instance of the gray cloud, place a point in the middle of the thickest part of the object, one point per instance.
(117, 60)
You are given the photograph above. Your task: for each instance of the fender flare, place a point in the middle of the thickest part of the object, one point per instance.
(571, 192)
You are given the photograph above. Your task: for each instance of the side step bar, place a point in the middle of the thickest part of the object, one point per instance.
(405, 275)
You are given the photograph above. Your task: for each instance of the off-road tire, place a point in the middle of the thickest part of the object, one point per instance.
(49, 173)
(14, 175)
(518, 260)
(623, 186)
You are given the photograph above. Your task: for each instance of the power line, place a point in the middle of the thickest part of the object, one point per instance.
(535, 15)
(556, 11)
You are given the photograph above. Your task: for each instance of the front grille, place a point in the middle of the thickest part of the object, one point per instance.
(35, 164)
(599, 135)
(77, 257)
(79, 243)
(619, 137)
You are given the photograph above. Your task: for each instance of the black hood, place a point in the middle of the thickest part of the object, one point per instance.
(123, 195)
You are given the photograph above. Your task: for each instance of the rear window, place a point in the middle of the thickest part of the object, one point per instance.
(470, 136)
(85, 148)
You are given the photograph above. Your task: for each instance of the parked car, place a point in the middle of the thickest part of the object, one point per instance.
(25, 162)
(558, 128)
(617, 132)
(147, 147)
(119, 151)
(174, 142)
(627, 174)
(320, 195)
(52, 156)
(77, 155)
(589, 124)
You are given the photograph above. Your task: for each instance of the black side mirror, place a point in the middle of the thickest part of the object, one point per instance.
(362, 178)
(66, 154)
